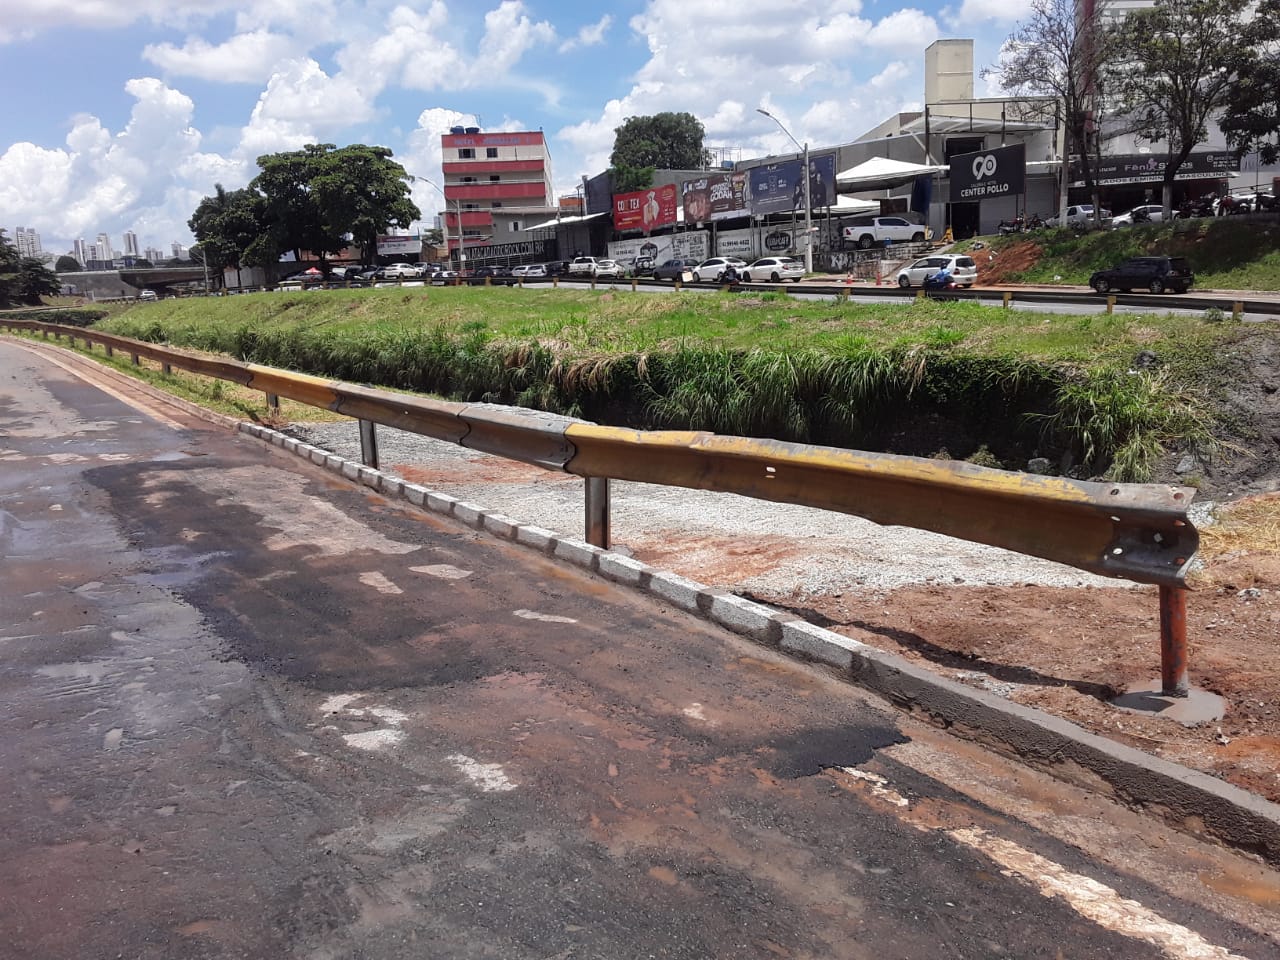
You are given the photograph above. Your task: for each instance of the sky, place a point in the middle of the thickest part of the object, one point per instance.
(123, 115)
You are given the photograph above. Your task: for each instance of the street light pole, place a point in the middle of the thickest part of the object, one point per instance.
(808, 203)
(462, 240)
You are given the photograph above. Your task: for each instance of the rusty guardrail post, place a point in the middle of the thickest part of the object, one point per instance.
(597, 512)
(1008, 298)
(137, 361)
(1111, 303)
(166, 369)
(1237, 309)
(368, 444)
(273, 401)
(1173, 641)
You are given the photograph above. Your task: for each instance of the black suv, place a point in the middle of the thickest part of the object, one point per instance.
(1156, 274)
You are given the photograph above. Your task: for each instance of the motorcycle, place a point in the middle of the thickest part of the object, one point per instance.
(1229, 206)
(1036, 222)
(1267, 201)
(942, 280)
(1011, 226)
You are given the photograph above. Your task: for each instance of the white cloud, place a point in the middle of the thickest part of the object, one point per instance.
(508, 35)
(246, 57)
(26, 18)
(302, 104)
(589, 36)
(907, 29)
(1001, 11)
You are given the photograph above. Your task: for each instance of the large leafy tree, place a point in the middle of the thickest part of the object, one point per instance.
(316, 197)
(1058, 54)
(67, 264)
(227, 225)
(668, 141)
(23, 280)
(1172, 69)
(1251, 119)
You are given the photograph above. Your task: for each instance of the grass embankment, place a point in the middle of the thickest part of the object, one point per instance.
(927, 379)
(1226, 253)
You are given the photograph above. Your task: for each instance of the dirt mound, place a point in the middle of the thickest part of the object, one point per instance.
(1004, 267)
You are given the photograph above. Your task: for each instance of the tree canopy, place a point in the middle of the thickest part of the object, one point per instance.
(23, 280)
(667, 141)
(67, 264)
(1172, 68)
(1251, 119)
(320, 198)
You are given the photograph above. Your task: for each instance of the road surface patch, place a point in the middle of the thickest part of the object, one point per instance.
(444, 571)
(379, 582)
(544, 617)
(489, 777)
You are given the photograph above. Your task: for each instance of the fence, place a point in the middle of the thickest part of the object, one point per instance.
(1136, 531)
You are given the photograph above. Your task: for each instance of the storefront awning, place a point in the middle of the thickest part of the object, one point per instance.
(564, 221)
(881, 173)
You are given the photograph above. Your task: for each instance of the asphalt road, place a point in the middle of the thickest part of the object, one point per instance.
(254, 711)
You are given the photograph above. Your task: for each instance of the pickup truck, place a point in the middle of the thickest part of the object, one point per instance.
(582, 267)
(867, 232)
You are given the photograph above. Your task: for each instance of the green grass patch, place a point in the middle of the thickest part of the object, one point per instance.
(909, 378)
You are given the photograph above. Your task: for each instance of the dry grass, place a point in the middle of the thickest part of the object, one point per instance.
(1251, 525)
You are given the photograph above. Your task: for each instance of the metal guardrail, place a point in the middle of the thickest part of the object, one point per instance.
(1136, 531)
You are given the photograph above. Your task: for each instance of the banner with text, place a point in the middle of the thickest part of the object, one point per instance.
(694, 245)
(1149, 168)
(392, 246)
(719, 196)
(778, 188)
(645, 209)
(989, 173)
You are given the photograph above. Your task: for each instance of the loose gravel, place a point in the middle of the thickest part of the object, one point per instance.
(818, 553)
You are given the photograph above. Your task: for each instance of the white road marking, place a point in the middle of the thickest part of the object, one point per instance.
(1094, 901)
(338, 702)
(114, 456)
(545, 617)
(489, 777)
(694, 710)
(442, 570)
(55, 507)
(379, 582)
(374, 739)
(65, 457)
(380, 738)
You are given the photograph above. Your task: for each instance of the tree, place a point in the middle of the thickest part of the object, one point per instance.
(67, 264)
(1251, 120)
(1173, 68)
(226, 225)
(317, 196)
(1058, 55)
(667, 141)
(23, 279)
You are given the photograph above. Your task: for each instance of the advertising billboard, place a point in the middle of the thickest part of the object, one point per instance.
(399, 246)
(717, 196)
(691, 246)
(1149, 168)
(645, 209)
(997, 172)
(777, 187)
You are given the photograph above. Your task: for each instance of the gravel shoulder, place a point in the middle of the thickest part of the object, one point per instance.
(1032, 631)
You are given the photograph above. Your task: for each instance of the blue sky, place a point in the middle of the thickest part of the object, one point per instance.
(137, 109)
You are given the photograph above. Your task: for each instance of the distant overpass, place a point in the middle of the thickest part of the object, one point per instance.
(108, 284)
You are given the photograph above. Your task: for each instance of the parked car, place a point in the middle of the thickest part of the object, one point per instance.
(400, 271)
(867, 231)
(495, 275)
(442, 276)
(611, 269)
(351, 276)
(714, 268)
(1156, 274)
(370, 274)
(147, 295)
(582, 267)
(423, 267)
(529, 270)
(674, 269)
(1080, 216)
(774, 269)
(643, 266)
(1143, 213)
(963, 270)
(558, 268)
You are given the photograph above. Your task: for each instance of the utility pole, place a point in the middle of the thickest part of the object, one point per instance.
(808, 202)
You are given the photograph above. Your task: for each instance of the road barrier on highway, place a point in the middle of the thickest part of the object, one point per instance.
(1140, 532)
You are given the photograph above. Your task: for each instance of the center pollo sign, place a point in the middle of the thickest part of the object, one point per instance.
(719, 196)
(645, 209)
(989, 173)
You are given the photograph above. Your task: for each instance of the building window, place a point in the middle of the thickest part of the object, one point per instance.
(497, 203)
(491, 152)
(515, 226)
(466, 153)
(494, 178)
(468, 179)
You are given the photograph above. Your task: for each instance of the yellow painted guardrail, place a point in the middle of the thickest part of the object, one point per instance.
(1136, 531)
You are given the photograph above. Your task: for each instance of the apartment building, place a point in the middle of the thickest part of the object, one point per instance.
(28, 242)
(495, 185)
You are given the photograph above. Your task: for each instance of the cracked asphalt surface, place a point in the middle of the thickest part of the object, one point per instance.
(254, 711)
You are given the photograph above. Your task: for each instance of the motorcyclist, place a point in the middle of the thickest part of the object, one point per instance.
(939, 281)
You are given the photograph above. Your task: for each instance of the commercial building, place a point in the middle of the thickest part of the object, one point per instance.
(131, 244)
(495, 186)
(28, 242)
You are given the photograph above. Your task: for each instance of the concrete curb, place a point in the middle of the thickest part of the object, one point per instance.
(1186, 798)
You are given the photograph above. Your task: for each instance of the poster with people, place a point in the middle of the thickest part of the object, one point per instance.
(645, 210)
(717, 196)
(779, 188)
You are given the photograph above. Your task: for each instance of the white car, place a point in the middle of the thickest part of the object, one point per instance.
(866, 231)
(774, 269)
(963, 270)
(147, 295)
(1079, 215)
(714, 268)
(608, 268)
(400, 271)
(526, 270)
(1143, 213)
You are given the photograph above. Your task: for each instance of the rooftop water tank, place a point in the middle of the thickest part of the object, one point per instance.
(457, 129)
(473, 130)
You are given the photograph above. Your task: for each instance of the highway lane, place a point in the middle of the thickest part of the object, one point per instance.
(254, 711)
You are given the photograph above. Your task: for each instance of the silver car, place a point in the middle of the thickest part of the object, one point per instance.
(774, 269)
(963, 270)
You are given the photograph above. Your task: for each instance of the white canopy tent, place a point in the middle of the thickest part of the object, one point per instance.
(881, 173)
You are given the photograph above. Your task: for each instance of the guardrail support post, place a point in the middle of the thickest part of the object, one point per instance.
(166, 369)
(1111, 303)
(1008, 298)
(919, 296)
(137, 361)
(633, 284)
(555, 282)
(1173, 641)
(598, 512)
(368, 444)
(273, 401)
(1237, 308)
(676, 282)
